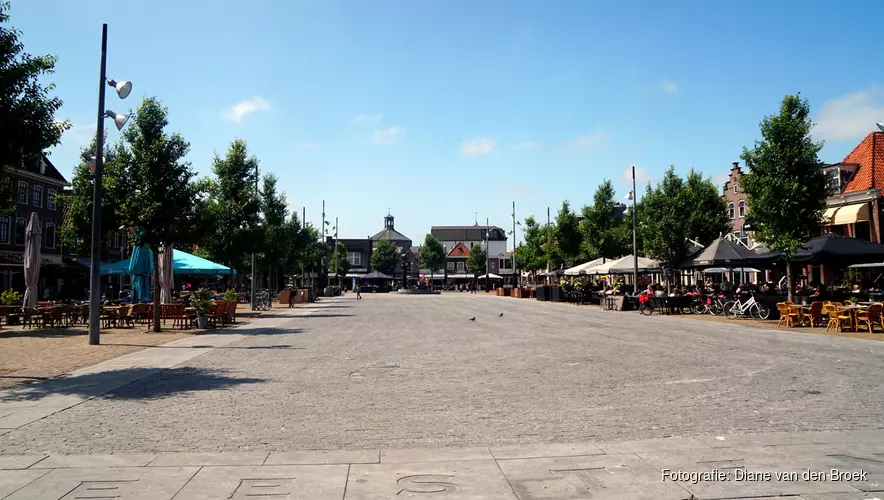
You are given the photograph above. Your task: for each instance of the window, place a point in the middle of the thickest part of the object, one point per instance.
(50, 235)
(23, 192)
(730, 210)
(833, 180)
(116, 242)
(20, 226)
(354, 258)
(38, 196)
(4, 229)
(736, 188)
(50, 199)
(741, 208)
(7, 185)
(460, 266)
(451, 266)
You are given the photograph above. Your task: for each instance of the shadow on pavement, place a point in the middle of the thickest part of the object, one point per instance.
(132, 383)
(330, 315)
(280, 346)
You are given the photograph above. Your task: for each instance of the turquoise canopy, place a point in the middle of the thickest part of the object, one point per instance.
(182, 263)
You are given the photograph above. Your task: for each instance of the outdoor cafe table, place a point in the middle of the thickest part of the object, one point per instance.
(851, 309)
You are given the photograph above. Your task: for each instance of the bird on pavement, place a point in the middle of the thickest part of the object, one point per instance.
(500, 315)
(473, 318)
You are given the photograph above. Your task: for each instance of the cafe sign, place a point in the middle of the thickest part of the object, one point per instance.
(12, 257)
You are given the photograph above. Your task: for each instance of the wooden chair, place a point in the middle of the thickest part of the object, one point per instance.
(815, 314)
(45, 304)
(124, 316)
(837, 317)
(179, 316)
(231, 310)
(787, 315)
(139, 313)
(108, 317)
(54, 317)
(870, 317)
(218, 312)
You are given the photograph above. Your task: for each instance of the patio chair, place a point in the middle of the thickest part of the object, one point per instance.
(870, 317)
(815, 314)
(231, 310)
(108, 317)
(124, 316)
(139, 313)
(787, 315)
(837, 318)
(218, 312)
(30, 317)
(55, 317)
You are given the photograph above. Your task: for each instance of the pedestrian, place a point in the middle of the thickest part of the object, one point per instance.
(358, 293)
(292, 296)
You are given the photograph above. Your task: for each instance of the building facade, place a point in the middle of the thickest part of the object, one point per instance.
(737, 206)
(35, 187)
(492, 238)
(855, 185)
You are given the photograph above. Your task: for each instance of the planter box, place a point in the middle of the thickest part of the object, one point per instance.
(284, 296)
(506, 291)
(500, 292)
(517, 293)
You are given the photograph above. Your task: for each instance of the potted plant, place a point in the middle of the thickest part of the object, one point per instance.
(231, 296)
(201, 302)
(12, 298)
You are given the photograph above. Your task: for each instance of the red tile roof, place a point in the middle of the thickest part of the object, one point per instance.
(869, 154)
(459, 250)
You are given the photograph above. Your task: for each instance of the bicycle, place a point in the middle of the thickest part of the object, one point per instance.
(715, 305)
(644, 305)
(751, 308)
(262, 301)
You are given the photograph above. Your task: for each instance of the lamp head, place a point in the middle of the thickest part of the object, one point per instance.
(119, 119)
(881, 126)
(123, 88)
(629, 195)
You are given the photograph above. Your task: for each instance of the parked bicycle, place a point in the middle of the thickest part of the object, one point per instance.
(644, 304)
(263, 301)
(748, 308)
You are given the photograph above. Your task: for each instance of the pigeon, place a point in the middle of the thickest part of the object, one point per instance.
(500, 315)
(473, 318)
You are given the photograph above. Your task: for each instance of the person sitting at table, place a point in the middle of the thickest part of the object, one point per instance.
(819, 292)
(124, 297)
(856, 288)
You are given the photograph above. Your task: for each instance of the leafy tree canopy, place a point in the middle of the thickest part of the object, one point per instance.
(606, 233)
(384, 257)
(432, 254)
(478, 260)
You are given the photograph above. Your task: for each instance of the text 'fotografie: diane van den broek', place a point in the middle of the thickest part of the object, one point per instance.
(694, 477)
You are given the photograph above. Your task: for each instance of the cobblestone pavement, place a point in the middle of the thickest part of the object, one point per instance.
(396, 371)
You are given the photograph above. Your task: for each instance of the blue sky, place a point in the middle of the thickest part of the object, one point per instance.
(438, 110)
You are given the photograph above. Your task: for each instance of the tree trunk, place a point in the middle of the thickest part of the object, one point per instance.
(791, 290)
(432, 280)
(156, 291)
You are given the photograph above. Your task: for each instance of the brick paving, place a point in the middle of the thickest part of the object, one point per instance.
(413, 372)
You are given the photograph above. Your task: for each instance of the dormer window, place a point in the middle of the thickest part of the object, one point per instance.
(736, 190)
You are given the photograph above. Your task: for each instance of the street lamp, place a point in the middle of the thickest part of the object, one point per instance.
(254, 256)
(123, 89)
(632, 196)
(881, 126)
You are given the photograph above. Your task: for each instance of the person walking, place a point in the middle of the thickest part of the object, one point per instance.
(292, 296)
(358, 293)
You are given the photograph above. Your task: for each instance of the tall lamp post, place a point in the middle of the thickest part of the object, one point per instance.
(632, 196)
(335, 255)
(516, 277)
(254, 257)
(123, 89)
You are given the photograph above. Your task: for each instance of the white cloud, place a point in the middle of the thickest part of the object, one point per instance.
(477, 146)
(669, 86)
(589, 141)
(641, 175)
(240, 110)
(851, 116)
(524, 146)
(388, 136)
(367, 118)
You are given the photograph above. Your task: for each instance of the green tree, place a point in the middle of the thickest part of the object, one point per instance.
(385, 256)
(477, 263)
(27, 111)
(340, 265)
(785, 185)
(432, 255)
(605, 233)
(531, 257)
(678, 209)
(563, 242)
(233, 206)
(76, 230)
(275, 237)
(162, 204)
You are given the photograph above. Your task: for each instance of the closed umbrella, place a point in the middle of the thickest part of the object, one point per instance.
(32, 260)
(166, 275)
(140, 267)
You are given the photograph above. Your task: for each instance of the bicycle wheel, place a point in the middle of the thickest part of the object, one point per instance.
(730, 309)
(645, 309)
(760, 311)
(698, 307)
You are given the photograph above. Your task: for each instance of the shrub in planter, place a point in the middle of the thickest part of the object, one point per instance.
(202, 304)
(230, 295)
(11, 298)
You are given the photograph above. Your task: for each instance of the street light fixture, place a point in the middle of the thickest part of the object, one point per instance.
(632, 196)
(123, 89)
(881, 126)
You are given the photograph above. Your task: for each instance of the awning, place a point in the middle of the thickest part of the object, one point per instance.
(829, 215)
(848, 214)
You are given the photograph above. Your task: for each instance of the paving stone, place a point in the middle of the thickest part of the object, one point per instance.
(12, 480)
(19, 461)
(219, 458)
(308, 457)
(128, 483)
(843, 496)
(474, 480)
(114, 460)
(712, 459)
(303, 482)
(599, 477)
(415, 455)
(545, 450)
(789, 438)
(648, 445)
